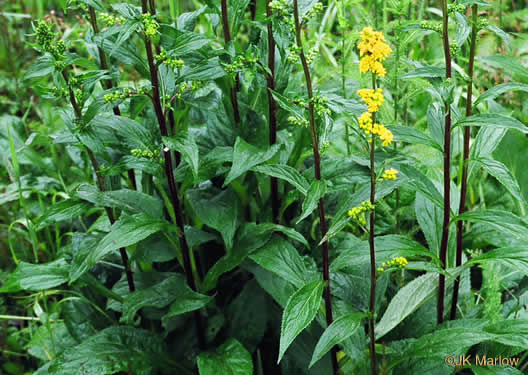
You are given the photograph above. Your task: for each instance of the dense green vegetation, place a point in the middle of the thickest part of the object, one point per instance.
(263, 187)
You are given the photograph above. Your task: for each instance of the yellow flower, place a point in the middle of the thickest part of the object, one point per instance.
(373, 98)
(384, 134)
(373, 50)
(365, 122)
(390, 174)
(357, 213)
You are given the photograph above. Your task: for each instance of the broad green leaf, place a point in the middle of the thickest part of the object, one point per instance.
(300, 310)
(423, 184)
(504, 221)
(127, 231)
(513, 257)
(387, 247)
(406, 301)
(286, 173)
(281, 258)
(499, 90)
(412, 136)
(315, 193)
(187, 147)
(508, 64)
(494, 120)
(245, 157)
(131, 201)
(503, 175)
(204, 71)
(341, 218)
(33, 277)
(487, 140)
(337, 332)
(178, 43)
(229, 358)
(218, 210)
(426, 72)
(172, 289)
(115, 349)
(42, 66)
(62, 211)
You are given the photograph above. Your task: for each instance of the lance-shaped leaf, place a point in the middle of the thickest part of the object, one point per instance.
(315, 193)
(495, 120)
(286, 173)
(185, 144)
(127, 231)
(229, 358)
(300, 310)
(33, 277)
(499, 90)
(246, 156)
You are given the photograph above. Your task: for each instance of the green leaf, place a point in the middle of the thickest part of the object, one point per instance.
(42, 66)
(426, 72)
(115, 349)
(229, 358)
(286, 173)
(494, 120)
(508, 64)
(506, 222)
(512, 257)
(281, 258)
(131, 201)
(407, 300)
(172, 289)
(300, 310)
(33, 277)
(387, 247)
(178, 43)
(246, 156)
(499, 90)
(423, 184)
(127, 231)
(62, 211)
(218, 210)
(204, 71)
(412, 136)
(185, 144)
(315, 193)
(337, 332)
(503, 175)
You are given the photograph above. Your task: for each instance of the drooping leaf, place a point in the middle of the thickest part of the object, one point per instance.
(281, 258)
(300, 310)
(126, 231)
(340, 330)
(186, 145)
(503, 175)
(131, 201)
(245, 157)
(172, 289)
(62, 211)
(34, 277)
(499, 90)
(110, 351)
(286, 173)
(229, 358)
(315, 193)
(412, 136)
(494, 120)
(218, 210)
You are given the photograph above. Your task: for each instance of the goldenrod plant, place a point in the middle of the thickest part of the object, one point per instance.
(271, 187)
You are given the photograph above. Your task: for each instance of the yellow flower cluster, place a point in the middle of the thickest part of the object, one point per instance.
(399, 262)
(390, 174)
(373, 50)
(366, 124)
(357, 213)
(373, 98)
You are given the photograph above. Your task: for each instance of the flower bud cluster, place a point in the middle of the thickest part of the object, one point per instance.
(46, 40)
(358, 213)
(111, 20)
(122, 94)
(172, 62)
(150, 25)
(429, 25)
(397, 262)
